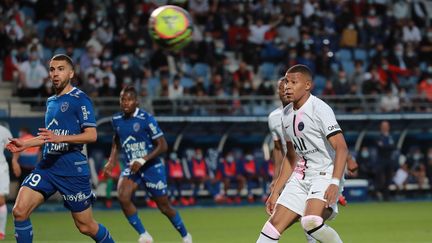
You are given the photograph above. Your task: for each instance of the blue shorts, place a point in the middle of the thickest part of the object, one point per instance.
(75, 190)
(153, 178)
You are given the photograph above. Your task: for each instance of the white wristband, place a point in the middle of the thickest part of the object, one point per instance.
(335, 181)
(140, 160)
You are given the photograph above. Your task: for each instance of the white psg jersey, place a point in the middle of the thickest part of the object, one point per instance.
(5, 134)
(275, 127)
(309, 128)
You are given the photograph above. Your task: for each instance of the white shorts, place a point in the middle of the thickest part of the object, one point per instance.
(4, 179)
(298, 191)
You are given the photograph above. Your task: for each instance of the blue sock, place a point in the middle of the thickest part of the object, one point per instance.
(23, 231)
(103, 235)
(136, 223)
(177, 222)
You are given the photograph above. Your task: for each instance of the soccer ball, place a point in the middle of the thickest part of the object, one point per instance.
(171, 27)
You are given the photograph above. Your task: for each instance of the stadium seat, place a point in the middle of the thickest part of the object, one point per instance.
(360, 54)
(348, 67)
(319, 84)
(344, 55)
(267, 71)
(202, 70)
(186, 82)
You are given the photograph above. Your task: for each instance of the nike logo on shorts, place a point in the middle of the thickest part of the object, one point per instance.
(315, 192)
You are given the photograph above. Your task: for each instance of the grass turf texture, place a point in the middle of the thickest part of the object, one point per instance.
(406, 222)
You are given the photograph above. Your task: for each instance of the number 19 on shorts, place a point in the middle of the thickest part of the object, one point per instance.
(33, 179)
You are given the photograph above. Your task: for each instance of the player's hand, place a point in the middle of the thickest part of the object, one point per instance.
(135, 166)
(107, 170)
(15, 145)
(16, 169)
(271, 203)
(331, 195)
(48, 136)
(352, 169)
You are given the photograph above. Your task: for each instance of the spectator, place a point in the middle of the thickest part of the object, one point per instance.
(175, 90)
(416, 164)
(411, 33)
(32, 77)
(250, 172)
(228, 173)
(176, 178)
(389, 102)
(386, 146)
(429, 166)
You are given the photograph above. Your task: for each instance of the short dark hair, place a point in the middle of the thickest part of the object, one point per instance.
(64, 57)
(300, 68)
(130, 89)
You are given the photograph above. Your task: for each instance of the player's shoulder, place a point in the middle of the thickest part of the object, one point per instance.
(276, 112)
(76, 93)
(117, 116)
(319, 105)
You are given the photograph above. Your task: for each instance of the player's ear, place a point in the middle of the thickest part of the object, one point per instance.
(309, 85)
(71, 74)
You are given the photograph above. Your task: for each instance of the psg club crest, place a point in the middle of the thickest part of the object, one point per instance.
(300, 126)
(64, 106)
(136, 126)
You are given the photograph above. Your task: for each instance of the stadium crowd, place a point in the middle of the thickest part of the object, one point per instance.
(355, 48)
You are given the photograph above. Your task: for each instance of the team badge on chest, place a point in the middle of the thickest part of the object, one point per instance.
(136, 126)
(300, 126)
(64, 106)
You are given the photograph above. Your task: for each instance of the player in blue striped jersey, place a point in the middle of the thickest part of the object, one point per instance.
(69, 124)
(140, 139)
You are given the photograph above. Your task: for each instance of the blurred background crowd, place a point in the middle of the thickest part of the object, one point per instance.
(239, 48)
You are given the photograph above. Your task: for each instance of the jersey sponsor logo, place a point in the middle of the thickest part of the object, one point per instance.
(85, 112)
(301, 126)
(64, 106)
(136, 126)
(79, 197)
(59, 147)
(333, 127)
(158, 186)
(134, 149)
(153, 128)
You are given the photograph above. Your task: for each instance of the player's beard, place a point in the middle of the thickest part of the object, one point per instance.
(60, 86)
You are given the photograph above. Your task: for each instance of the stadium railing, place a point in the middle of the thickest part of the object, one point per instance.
(229, 105)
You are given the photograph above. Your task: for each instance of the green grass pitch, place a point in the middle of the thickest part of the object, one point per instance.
(403, 222)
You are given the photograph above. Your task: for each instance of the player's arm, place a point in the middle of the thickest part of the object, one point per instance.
(88, 135)
(113, 155)
(338, 143)
(161, 146)
(352, 165)
(277, 158)
(286, 170)
(16, 145)
(15, 165)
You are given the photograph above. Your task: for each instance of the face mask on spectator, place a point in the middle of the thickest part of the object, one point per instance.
(127, 80)
(83, 12)
(365, 153)
(230, 158)
(398, 53)
(125, 66)
(14, 52)
(249, 157)
(173, 156)
(239, 22)
(199, 156)
(107, 54)
(33, 63)
(351, 26)
(417, 156)
(430, 156)
(208, 39)
(92, 26)
(121, 10)
(55, 23)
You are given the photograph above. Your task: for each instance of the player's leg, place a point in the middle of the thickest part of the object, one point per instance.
(33, 192)
(174, 217)
(127, 185)
(4, 190)
(155, 181)
(281, 219)
(87, 225)
(78, 198)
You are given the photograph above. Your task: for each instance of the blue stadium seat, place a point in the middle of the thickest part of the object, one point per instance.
(267, 71)
(319, 84)
(202, 70)
(3, 113)
(186, 82)
(344, 55)
(348, 67)
(360, 54)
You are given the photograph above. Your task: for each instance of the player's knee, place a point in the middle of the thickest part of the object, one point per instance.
(20, 213)
(166, 209)
(124, 197)
(311, 222)
(87, 229)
